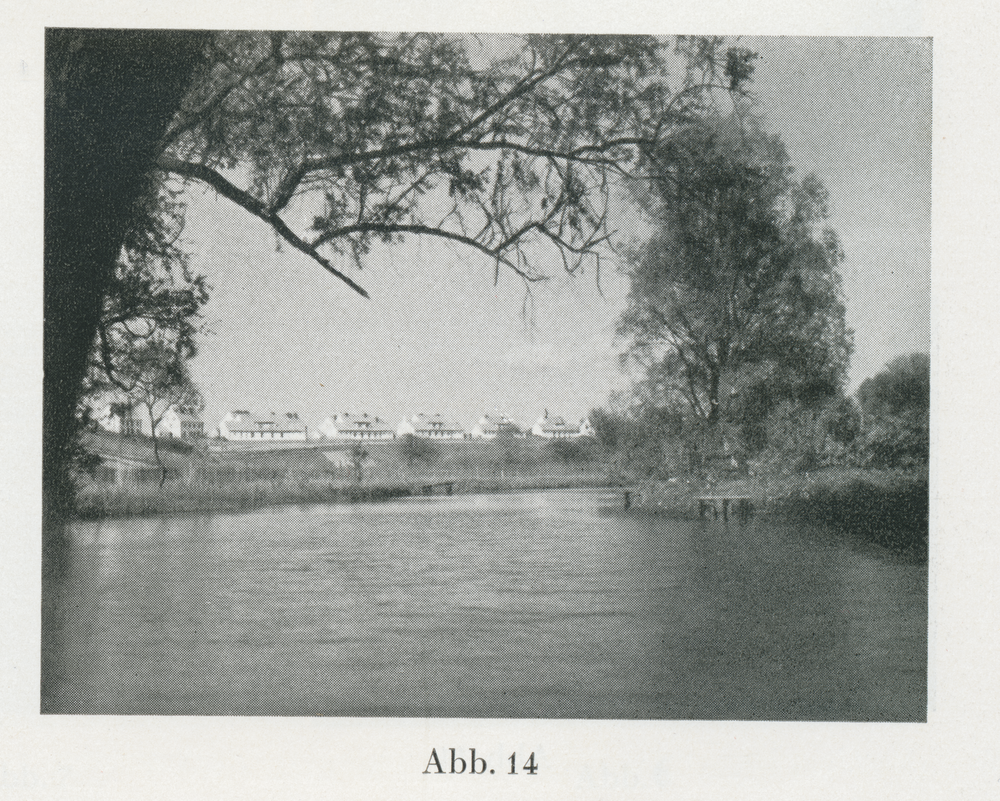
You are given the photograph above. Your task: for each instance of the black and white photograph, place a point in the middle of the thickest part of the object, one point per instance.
(486, 375)
(401, 381)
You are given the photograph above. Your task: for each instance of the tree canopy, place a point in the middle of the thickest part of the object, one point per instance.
(904, 384)
(735, 300)
(155, 377)
(896, 413)
(152, 299)
(508, 145)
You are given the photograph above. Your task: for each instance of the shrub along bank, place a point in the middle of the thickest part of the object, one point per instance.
(887, 507)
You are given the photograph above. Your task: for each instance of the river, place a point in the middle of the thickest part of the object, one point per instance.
(547, 604)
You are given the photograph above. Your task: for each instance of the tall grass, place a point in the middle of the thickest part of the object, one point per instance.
(135, 499)
(99, 499)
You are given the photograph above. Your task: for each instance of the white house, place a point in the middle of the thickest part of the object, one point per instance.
(430, 426)
(180, 423)
(123, 418)
(241, 426)
(490, 426)
(555, 427)
(356, 426)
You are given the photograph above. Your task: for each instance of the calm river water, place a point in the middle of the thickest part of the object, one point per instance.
(540, 604)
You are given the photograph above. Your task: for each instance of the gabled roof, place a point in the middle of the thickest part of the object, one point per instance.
(360, 422)
(283, 423)
(557, 425)
(494, 423)
(434, 422)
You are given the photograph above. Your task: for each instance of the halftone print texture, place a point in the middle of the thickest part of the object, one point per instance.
(282, 556)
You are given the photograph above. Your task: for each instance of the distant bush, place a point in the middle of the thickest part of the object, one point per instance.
(895, 440)
(903, 385)
(573, 451)
(412, 449)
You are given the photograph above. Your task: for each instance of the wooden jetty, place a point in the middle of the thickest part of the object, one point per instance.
(741, 504)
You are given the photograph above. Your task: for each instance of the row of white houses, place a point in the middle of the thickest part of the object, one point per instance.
(244, 426)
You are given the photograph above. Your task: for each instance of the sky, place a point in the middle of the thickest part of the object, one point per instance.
(438, 336)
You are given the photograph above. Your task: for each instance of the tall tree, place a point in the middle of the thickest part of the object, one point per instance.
(735, 298)
(109, 97)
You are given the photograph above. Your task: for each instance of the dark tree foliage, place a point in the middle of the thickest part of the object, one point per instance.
(644, 440)
(896, 413)
(574, 450)
(735, 301)
(903, 385)
(413, 449)
(842, 422)
(152, 294)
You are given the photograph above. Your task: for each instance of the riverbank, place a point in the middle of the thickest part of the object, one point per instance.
(138, 500)
(224, 477)
(889, 508)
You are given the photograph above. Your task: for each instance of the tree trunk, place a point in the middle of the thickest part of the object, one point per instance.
(109, 97)
(713, 400)
(156, 456)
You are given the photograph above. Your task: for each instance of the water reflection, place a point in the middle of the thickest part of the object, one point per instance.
(533, 604)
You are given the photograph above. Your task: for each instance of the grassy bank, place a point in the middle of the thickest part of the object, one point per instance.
(132, 500)
(226, 477)
(889, 508)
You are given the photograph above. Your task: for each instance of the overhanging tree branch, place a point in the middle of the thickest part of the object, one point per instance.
(248, 202)
(392, 228)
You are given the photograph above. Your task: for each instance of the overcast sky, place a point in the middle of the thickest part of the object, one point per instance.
(437, 336)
